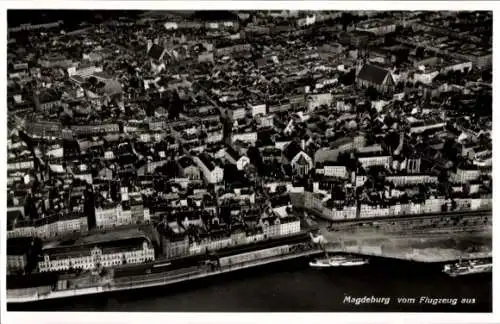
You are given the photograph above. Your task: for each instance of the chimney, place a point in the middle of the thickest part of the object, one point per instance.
(150, 44)
(303, 144)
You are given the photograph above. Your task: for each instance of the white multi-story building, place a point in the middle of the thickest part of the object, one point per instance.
(60, 224)
(306, 21)
(88, 256)
(210, 245)
(370, 161)
(266, 121)
(338, 171)
(211, 172)
(215, 136)
(421, 129)
(250, 137)
(87, 177)
(258, 109)
(124, 217)
(107, 217)
(413, 165)
(319, 99)
(16, 262)
(425, 77)
(377, 27)
(170, 25)
(412, 179)
(237, 113)
(147, 216)
(289, 226)
(109, 155)
(51, 226)
(22, 231)
(233, 157)
(20, 165)
(359, 180)
(465, 175)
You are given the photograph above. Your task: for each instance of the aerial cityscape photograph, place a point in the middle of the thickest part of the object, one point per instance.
(249, 161)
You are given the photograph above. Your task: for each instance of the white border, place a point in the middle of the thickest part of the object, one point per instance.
(233, 318)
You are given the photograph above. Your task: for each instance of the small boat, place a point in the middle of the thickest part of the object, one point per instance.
(338, 261)
(468, 267)
(320, 263)
(347, 261)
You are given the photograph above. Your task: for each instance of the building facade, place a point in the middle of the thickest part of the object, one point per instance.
(88, 257)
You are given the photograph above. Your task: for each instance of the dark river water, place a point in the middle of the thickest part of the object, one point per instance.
(293, 286)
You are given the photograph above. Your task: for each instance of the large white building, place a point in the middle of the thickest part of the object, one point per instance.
(87, 255)
(258, 109)
(318, 99)
(412, 179)
(107, 217)
(369, 161)
(236, 113)
(339, 171)
(233, 157)
(465, 175)
(211, 172)
(247, 137)
(20, 164)
(60, 224)
(48, 227)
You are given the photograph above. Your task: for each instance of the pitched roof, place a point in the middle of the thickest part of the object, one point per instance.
(156, 51)
(185, 161)
(373, 74)
(232, 153)
(126, 244)
(48, 95)
(205, 159)
(302, 160)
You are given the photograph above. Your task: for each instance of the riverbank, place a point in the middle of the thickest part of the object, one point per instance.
(292, 286)
(165, 281)
(424, 249)
(428, 248)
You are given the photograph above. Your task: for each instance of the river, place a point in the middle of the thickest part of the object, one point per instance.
(293, 286)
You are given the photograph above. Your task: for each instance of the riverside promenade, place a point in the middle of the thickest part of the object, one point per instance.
(163, 280)
(419, 246)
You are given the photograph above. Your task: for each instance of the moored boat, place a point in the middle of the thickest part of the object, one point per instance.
(468, 267)
(338, 261)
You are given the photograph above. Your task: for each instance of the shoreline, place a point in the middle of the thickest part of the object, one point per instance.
(187, 278)
(159, 283)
